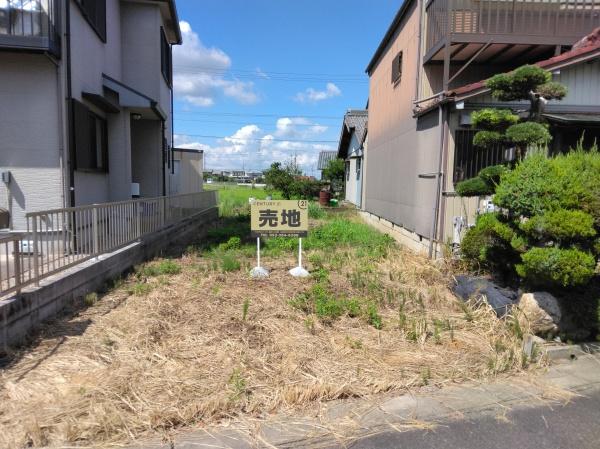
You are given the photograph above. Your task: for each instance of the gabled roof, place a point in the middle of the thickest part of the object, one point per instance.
(389, 34)
(584, 50)
(354, 120)
(324, 158)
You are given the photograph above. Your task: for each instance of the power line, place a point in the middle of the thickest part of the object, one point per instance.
(244, 139)
(272, 76)
(237, 114)
(243, 123)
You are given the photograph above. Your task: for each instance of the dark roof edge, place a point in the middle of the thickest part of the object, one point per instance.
(173, 8)
(388, 35)
(175, 18)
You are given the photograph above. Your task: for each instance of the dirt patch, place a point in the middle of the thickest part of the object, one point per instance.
(164, 351)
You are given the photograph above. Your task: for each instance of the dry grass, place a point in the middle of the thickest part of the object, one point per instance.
(182, 351)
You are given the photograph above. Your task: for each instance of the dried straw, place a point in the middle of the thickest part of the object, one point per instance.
(137, 366)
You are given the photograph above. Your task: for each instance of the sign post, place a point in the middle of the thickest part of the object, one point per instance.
(279, 218)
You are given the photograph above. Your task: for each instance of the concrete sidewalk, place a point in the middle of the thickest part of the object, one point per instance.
(340, 423)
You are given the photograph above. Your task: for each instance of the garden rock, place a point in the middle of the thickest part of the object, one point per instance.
(540, 312)
(500, 299)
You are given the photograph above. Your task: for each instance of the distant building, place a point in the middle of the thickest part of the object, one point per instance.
(351, 150)
(324, 158)
(187, 171)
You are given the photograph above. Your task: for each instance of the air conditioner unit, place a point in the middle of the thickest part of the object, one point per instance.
(465, 119)
(6, 177)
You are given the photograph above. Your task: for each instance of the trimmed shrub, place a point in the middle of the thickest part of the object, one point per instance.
(550, 224)
(529, 134)
(492, 174)
(533, 186)
(473, 187)
(485, 139)
(488, 244)
(563, 225)
(490, 118)
(556, 266)
(483, 184)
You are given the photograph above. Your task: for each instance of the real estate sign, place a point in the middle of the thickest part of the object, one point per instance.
(283, 218)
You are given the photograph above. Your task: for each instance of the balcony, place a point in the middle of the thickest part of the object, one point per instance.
(30, 25)
(507, 28)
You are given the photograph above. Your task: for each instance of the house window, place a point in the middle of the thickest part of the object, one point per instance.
(397, 68)
(469, 159)
(90, 139)
(347, 171)
(166, 58)
(358, 163)
(94, 12)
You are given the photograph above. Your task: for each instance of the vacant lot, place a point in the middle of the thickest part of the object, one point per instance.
(192, 340)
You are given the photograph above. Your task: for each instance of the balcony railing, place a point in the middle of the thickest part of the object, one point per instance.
(62, 238)
(30, 25)
(512, 20)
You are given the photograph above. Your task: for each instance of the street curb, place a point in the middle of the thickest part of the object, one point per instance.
(571, 352)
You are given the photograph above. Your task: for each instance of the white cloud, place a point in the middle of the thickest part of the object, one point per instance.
(255, 148)
(199, 73)
(311, 95)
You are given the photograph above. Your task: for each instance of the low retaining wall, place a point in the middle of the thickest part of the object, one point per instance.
(411, 240)
(22, 313)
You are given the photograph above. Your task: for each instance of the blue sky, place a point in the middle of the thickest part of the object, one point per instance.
(269, 80)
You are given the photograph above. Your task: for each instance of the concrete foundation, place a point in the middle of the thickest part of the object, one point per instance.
(23, 313)
(411, 240)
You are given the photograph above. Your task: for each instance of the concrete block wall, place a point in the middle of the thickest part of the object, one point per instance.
(411, 240)
(23, 313)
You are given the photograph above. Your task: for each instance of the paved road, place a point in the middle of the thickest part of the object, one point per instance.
(574, 426)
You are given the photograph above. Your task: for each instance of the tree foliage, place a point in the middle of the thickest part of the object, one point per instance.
(547, 233)
(502, 126)
(483, 184)
(334, 173)
(289, 181)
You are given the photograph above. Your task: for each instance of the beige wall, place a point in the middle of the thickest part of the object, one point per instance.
(400, 146)
(191, 167)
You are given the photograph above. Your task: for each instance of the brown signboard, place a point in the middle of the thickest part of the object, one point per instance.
(283, 218)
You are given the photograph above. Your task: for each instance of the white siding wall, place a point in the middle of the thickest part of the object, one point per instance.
(30, 137)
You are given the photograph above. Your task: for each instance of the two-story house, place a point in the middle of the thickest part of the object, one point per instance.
(419, 102)
(85, 102)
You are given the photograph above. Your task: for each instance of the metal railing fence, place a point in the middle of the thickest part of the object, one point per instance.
(61, 238)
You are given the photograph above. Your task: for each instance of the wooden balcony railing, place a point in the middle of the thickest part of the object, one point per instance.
(511, 20)
(30, 25)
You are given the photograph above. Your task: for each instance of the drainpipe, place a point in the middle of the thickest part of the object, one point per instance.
(71, 164)
(439, 175)
(172, 118)
(419, 47)
(163, 158)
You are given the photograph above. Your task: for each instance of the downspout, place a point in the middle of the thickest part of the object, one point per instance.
(163, 158)
(439, 176)
(71, 163)
(169, 155)
(419, 48)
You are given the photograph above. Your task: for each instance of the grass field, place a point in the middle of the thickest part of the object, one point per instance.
(234, 199)
(193, 340)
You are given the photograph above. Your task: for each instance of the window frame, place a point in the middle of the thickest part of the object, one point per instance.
(85, 139)
(166, 58)
(347, 167)
(397, 68)
(358, 168)
(98, 20)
